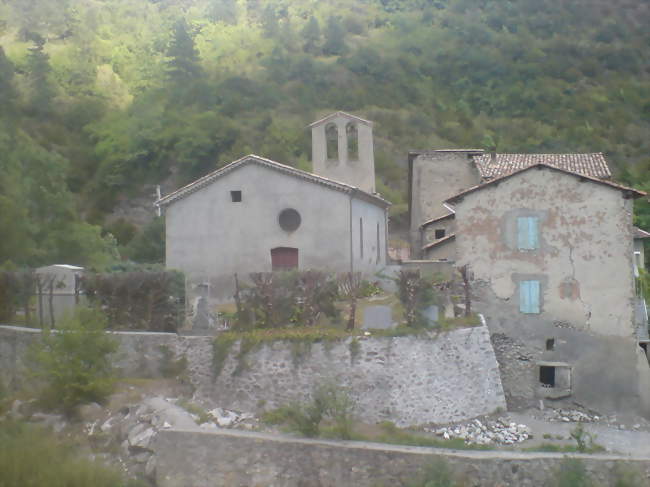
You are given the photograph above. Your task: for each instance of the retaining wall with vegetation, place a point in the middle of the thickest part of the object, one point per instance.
(228, 457)
(408, 380)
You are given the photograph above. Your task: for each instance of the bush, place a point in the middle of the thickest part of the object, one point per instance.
(436, 474)
(140, 299)
(572, 473)
(73, 362)
(31, 456)
(329, 404)
(415, 294)
(286, 298)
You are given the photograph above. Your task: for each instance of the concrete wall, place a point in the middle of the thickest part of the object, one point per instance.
(229, 458)
(209, 237)
(436, 176)
(444, 251)
(429, 231)
(585, 269)
(373, 220)
(408, 380)
(359, 173)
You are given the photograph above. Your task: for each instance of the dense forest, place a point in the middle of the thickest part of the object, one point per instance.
(101, 100)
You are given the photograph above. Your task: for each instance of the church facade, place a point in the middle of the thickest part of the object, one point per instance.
(258, 215)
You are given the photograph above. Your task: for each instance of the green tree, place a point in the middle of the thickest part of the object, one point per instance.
(38, 71)
(7, 90)
(74, 363)
(334, 37)
(184, 64)
(223, 11)
(311, 34)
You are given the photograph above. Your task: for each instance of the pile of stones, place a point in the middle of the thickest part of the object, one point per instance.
(476, 432)
(572, 416)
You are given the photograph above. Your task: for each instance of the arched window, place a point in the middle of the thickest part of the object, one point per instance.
(332, 137)
(353, 141)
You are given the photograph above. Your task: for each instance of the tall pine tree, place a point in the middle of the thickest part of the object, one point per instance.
(38, 71)
(184, 62)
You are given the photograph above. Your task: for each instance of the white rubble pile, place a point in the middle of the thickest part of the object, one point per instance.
(572, 416)
(476, 432)
(231, 419)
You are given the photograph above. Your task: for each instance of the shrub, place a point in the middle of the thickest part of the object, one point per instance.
(31, 456)
(436, 474)
(329, 404)
(141, 299)
(73, 362)
(286, 298)
(415, 293)
(572, 473)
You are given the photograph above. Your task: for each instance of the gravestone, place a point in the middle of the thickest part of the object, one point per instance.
(431, 313)
(202, 320)
(378, 317)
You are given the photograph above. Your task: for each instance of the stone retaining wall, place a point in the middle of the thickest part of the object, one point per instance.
(229, 458)
(408, 380)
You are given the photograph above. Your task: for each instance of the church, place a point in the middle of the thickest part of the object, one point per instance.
(259, 215)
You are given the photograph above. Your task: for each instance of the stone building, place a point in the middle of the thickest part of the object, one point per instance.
(257, 215)
(436, 175)
(548, 240)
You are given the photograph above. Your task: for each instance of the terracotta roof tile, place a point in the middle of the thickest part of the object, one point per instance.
(628, 192)
(493, 166)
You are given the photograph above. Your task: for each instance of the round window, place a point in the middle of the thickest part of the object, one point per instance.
(289, 219)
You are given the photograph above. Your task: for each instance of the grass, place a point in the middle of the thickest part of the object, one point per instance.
(552, 448)
(195, 409)
(32, 456)
(389, 433)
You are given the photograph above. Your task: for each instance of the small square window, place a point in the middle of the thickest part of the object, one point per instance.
(235, 196)
(550, 344)
(440, 233)
(528, 233)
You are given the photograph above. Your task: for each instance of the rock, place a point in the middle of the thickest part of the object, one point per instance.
(224, 418)
(107, 425)
(150, 467)
(139, 438)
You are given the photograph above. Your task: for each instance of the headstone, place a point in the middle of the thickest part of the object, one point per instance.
(378, 317)
(431, 313)
(202, 318)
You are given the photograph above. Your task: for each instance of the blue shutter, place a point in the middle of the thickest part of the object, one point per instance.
(527, 233)
(533, 238)
(529, 294)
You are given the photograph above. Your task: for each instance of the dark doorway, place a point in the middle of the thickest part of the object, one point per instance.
(284, 258)
(547, 376)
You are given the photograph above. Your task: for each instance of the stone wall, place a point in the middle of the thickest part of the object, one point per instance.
(409, 380)
(206, 459)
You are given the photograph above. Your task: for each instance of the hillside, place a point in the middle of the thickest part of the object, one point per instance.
(100, 100)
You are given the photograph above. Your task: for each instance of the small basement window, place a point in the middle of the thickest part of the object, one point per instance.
(550, 344)
(440, 233)
(547, 376)
(235, 196)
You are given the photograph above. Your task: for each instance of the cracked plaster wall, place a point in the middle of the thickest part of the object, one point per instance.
(584, 265)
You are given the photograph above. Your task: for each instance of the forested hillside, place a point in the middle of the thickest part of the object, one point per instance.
(101, 99)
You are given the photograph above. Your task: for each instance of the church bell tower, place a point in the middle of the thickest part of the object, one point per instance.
(342, 150)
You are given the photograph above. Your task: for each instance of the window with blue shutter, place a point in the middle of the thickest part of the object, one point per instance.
(528, 233)
(529, 297)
